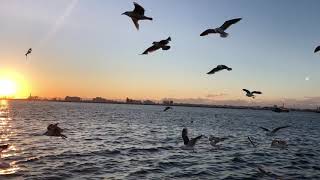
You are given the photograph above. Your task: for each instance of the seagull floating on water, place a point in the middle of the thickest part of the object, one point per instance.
(28, 52)
(219, 68)
(137, 14)
(167, 108)
(221, 30)
(215, 140)
(163, 44)
(189, 142)
(251, 94)
(317, 49)
(277, 143)
(271, 133)
(54, 130)
(4, 147)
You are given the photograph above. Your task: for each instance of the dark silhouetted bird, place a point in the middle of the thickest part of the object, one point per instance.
(317, 49)
(167, 108)
(28, 52)
(221, 30)
(271, 133)
(215, 140)
(251, 94)
(137, 14)
(163, 44)
(189, 142)
(4, 147)
(219, 68)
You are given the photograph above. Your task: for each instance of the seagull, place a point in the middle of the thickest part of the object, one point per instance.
(137, 14)
(163, 44)
(167, 108)
(28, 52)
(221, 30)
(277, 143)
(317, 49)
(271, 133)
(251, 94)
(215, 140)
(186, 141)
(4, 147)
(219, 68)
(54, 130)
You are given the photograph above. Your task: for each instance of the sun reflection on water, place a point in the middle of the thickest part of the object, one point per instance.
(6, 167)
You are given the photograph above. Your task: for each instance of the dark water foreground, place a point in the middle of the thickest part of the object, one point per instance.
(141, 142)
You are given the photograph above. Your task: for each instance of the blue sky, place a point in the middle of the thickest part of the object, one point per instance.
(88, 48)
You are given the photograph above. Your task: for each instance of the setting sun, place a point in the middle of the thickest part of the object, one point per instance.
(8, 88)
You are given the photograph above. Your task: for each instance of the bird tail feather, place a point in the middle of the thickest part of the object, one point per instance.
(224, 34)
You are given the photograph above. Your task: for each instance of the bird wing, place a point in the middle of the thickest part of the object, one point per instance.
(135, 22)
(214, 70)
(256, 92)
(193, 141)
(138, 9)
(251, 142)
(246, 90)
(208, 31)
(151, 49)
(264, 129)
(317, 49)
(228, 23)
(167, 108)
(165, 48)
(278, 128)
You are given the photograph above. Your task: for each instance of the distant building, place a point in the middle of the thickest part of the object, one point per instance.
(148, 102)
(72, 99)
(33, 98)
(132, 101)
(99, 100)
(167, 102)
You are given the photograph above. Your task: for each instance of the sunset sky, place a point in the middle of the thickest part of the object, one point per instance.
(88, 49)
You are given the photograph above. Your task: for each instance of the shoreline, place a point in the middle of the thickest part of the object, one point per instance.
(174, 105)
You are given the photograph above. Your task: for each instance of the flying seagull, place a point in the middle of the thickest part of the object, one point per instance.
(28, 52)
(317, 49)
(251, 94)
(221, 30)
(271, 133)
(219, 68)
(186, 141)
(167, 108)
(137, 14)
(163, 44)
(215, 140)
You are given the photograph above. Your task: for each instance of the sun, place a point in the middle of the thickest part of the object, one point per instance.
(8, 88)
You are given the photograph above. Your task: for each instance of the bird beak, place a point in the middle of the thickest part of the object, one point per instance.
(123, 13)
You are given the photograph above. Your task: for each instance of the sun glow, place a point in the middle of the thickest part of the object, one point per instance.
(8, 88)
(13, 85)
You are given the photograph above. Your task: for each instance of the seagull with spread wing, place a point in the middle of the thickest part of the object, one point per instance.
(163, 44)
(137, 14)
(251, 94)
(221, 30)
(273, 132)
(189, 142)
(317, 49)
(219, 68)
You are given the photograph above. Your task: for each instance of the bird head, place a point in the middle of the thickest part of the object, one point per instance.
(125, 13)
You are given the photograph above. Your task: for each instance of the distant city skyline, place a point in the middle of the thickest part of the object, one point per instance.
(88, 49)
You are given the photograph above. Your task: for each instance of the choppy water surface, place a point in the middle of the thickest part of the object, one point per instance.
(108, 141)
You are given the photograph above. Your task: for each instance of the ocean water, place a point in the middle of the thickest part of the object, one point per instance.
(109, 141)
